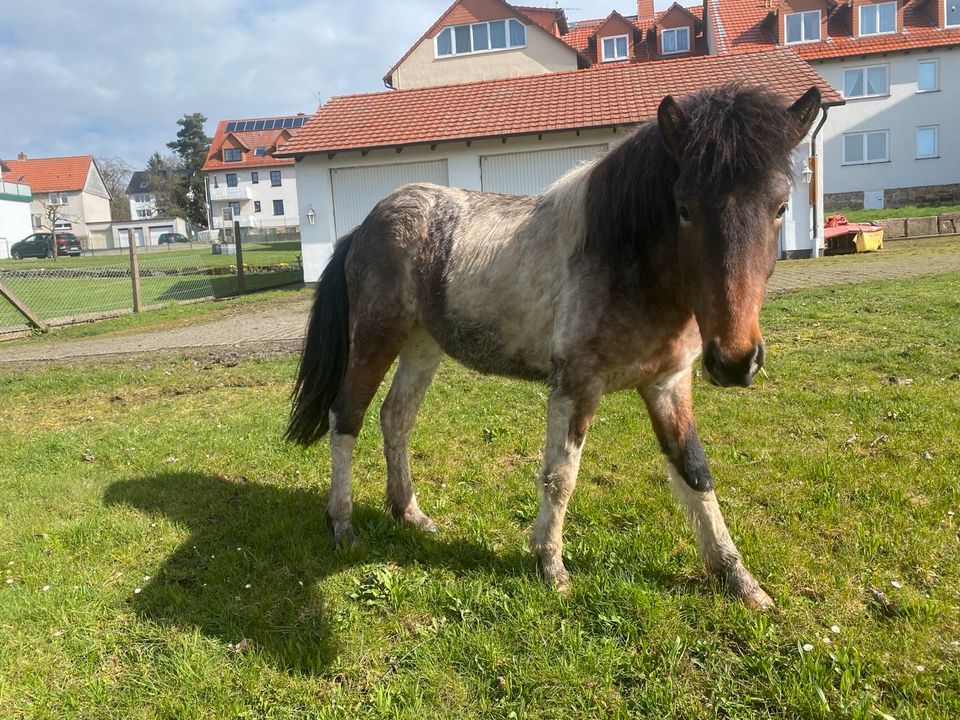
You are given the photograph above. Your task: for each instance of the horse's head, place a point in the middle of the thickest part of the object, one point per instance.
(733, 147)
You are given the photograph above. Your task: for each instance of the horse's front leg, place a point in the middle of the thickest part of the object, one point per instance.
(670, 404)
(568, 418)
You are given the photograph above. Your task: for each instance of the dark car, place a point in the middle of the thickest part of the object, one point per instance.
(170, 238)
(40, 245)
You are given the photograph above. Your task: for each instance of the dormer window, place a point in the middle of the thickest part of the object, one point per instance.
(259, 152)
(952, 13)
(803, 27)
(675, 40)
(232, 155)
(878, 19)
(615, 48)
(481, 37)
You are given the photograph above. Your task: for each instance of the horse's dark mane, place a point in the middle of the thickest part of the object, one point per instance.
(736, 138)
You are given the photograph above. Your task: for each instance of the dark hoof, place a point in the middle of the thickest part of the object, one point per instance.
(344, 537)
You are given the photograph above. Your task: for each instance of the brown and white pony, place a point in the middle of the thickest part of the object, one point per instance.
(618, 276)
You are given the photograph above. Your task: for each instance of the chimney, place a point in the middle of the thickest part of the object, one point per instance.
(21, 156)
(645, 10)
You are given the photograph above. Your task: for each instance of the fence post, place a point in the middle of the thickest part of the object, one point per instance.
(241, 280)
(23, 309)
(134, 269)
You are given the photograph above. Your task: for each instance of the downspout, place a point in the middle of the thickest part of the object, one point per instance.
(814, 164)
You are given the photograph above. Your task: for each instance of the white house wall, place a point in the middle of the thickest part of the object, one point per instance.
(315, 187)
(14, 224)
(262, 191)
(900, 113)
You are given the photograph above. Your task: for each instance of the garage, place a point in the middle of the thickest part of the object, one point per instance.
(356, 190)
(157, 231)
(530, 173)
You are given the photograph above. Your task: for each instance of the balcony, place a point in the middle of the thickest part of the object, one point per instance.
(230, 193)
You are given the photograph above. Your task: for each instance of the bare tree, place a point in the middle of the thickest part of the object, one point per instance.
(116, 174)
(52, 214)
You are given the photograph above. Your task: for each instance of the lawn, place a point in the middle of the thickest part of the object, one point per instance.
(164, 553)
(862, 216)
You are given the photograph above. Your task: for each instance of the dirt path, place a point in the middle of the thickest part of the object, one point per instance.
(283, 325)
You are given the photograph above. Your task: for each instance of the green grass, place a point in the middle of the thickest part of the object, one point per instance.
(860, 216)
(169, 477)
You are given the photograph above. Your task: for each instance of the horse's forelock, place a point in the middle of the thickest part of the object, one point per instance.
(737, 135)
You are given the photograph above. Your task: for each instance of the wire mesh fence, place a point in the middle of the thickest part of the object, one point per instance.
(77, 289)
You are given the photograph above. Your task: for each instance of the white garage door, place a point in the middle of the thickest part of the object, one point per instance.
(357, 189)
(156, 232)
(530, 173)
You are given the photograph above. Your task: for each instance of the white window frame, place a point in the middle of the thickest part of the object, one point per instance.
(685, 31)
(238, 150)
(936, 142)
(946, 14)
(936, 75)
(35, 221)
(58, 198)
(613, 39)
(864, 134)
(864, 70)
(875, 7)
(453, 40)
(803, 28)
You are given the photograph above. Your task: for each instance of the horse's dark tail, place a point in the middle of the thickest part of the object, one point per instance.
(323, 364)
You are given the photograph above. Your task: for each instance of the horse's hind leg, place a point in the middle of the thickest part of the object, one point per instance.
(671, 410)
(372, 353)
(418, 363)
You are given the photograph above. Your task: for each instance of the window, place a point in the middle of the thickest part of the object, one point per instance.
(144, 213)
(952, 14)
(278, 207)
(58, 198)
(235, 208)
(676, 40)
(275, 178)
(803, 26)
(259, 152)
(231, 179)
(232, 155)
(480, 37)
(615, 48)
(877, 19)
(256, 206)
(866, 147)
(928, 142)
(35, 221)
(255, 178)
(928, 75)
(865, 82)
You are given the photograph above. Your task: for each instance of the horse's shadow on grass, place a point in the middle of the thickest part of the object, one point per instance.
(250, 567)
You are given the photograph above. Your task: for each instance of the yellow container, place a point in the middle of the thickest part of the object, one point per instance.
(868, 240)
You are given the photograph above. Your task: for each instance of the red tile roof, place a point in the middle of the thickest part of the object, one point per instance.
(64, 174)
(250, 139)
(626, 93)
(746, 29)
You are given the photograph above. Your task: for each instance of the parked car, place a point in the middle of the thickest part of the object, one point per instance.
(170, 238)
(40, 245)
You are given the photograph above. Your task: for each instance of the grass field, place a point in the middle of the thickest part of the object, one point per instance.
(860, 216)
(164, 553)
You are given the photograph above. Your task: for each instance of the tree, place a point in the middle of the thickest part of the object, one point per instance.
(52, 214)
(192, 145)
(116, 175)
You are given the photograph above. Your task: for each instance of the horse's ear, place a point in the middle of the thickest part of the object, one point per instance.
(673, 126)
(803, 112)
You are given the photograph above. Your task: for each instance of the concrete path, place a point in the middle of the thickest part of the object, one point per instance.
(282, 324)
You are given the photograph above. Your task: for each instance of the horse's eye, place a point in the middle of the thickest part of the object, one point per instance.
(782, 211)
(684, 214)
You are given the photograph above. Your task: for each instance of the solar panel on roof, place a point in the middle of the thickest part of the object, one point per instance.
(231, 127)
(298, 122)
(288, 122)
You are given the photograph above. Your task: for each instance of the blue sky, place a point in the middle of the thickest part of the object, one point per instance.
(111, 77)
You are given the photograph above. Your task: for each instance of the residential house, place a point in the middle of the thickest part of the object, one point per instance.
(15, 199)
(896, 141)
(518, 98)
(142, 190)
(73, 185)
(243, 174)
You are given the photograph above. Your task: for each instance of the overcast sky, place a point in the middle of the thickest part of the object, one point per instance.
(111, 77)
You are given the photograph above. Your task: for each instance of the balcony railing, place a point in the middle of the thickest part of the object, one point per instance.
(230, 193)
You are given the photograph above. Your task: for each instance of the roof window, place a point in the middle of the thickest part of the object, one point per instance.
(878, 19)
(480, 37)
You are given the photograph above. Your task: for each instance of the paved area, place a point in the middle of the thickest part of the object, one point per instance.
(283, 324)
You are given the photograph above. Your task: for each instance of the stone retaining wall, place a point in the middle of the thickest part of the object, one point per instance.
(921, 195)
(896, 228)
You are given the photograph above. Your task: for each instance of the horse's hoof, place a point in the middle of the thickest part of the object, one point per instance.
(746, 589)
(557, 578)
(344, 537)
(421, 521)
(758, 600)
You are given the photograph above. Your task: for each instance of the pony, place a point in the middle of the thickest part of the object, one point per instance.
(618, 276)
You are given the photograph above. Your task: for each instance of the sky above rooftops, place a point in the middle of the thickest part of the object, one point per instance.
(110, 79)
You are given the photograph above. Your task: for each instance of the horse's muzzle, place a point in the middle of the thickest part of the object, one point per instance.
(725, 371)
